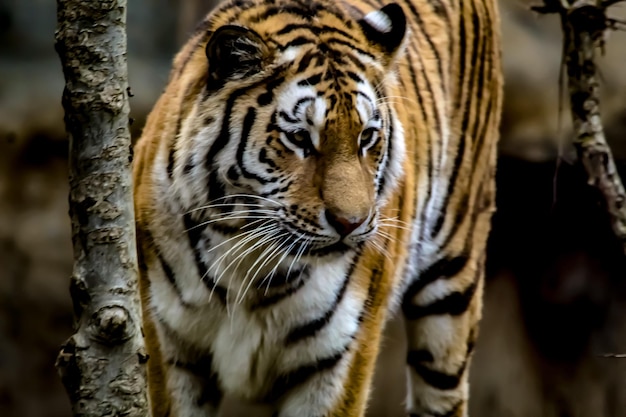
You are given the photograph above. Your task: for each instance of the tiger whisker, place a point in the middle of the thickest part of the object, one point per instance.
(239, 259)
(251, 235)
(277, 265)
(237, 217)
(387, 236)
(263, 226)
(241, 256)
(394, 219)
(381, 249)
(268, 258)
(219, 262)
(210, 206)
(269, 200)
(241, 243)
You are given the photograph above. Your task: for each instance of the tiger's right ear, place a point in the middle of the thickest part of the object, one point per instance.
(385, 29)
(235, 52)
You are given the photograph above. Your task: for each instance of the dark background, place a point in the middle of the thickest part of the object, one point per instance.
(555, 301)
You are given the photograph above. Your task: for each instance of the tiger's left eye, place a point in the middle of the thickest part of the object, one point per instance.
(300, 138)
(368, 136)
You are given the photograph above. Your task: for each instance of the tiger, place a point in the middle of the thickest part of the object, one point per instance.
(312, 168)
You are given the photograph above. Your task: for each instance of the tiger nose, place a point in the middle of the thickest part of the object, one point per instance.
(343, 225)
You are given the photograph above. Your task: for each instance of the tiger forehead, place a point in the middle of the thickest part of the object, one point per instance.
(330, 91)
(282, 24)
(284, 18)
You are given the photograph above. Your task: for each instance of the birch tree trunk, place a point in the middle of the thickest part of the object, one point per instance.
(103, 364)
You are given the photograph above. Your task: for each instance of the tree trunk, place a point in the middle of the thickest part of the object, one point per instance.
(103, 364)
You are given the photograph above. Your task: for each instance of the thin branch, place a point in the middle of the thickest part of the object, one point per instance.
(584, 23)
(614, 355)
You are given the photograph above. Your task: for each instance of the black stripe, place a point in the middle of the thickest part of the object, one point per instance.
(478, 145)
(389, 154)
(476, 89)
(286, 117)
(419, 25)
(463, 209)
(167, 269)
(171, 158)
(216, 191)
(277, 190)
(264, 159)
(248, 122)
(305, 61)
(171, 278)
(203, 370)
(300, 40)
(316, 30)
(440, 9)
(454, 304)
(312, 80)
(311, 328)
(440, 380)
(299, 376)
(351, 46)
(276, 298)
(444, 268)
(271, 85)
(194, 233)
(456, 168)
(462, 52)
(355, 60)
(428, 140)
(307, 13)
(300, 102)
(419, 356)
(224, 137)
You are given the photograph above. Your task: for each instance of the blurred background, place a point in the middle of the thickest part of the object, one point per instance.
(555, 301)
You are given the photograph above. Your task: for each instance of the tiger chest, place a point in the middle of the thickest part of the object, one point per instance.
(260, 340)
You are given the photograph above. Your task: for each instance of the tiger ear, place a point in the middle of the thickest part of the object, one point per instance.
(385, 29)
(235, 52)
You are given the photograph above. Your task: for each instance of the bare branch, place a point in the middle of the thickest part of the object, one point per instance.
(103, 364)
(584, 23)
(614, 355)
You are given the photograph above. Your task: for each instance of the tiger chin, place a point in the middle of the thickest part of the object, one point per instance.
(312, 167)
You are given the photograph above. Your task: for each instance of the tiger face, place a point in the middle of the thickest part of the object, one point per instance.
(310, 148)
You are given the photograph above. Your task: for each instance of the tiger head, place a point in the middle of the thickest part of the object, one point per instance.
(293, 131)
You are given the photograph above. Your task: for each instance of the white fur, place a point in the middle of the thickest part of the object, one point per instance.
(379, 21)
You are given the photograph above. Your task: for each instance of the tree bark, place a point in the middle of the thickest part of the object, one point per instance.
(103, 364)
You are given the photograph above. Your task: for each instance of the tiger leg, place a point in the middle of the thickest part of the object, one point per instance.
(191, 383)
(317, 396)
(442, 308)
(192, 393)
(342, 387)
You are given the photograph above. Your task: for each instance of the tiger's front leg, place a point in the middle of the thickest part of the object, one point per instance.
(191, 382)
(193, 394)
(442, 308)
(342, 390)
